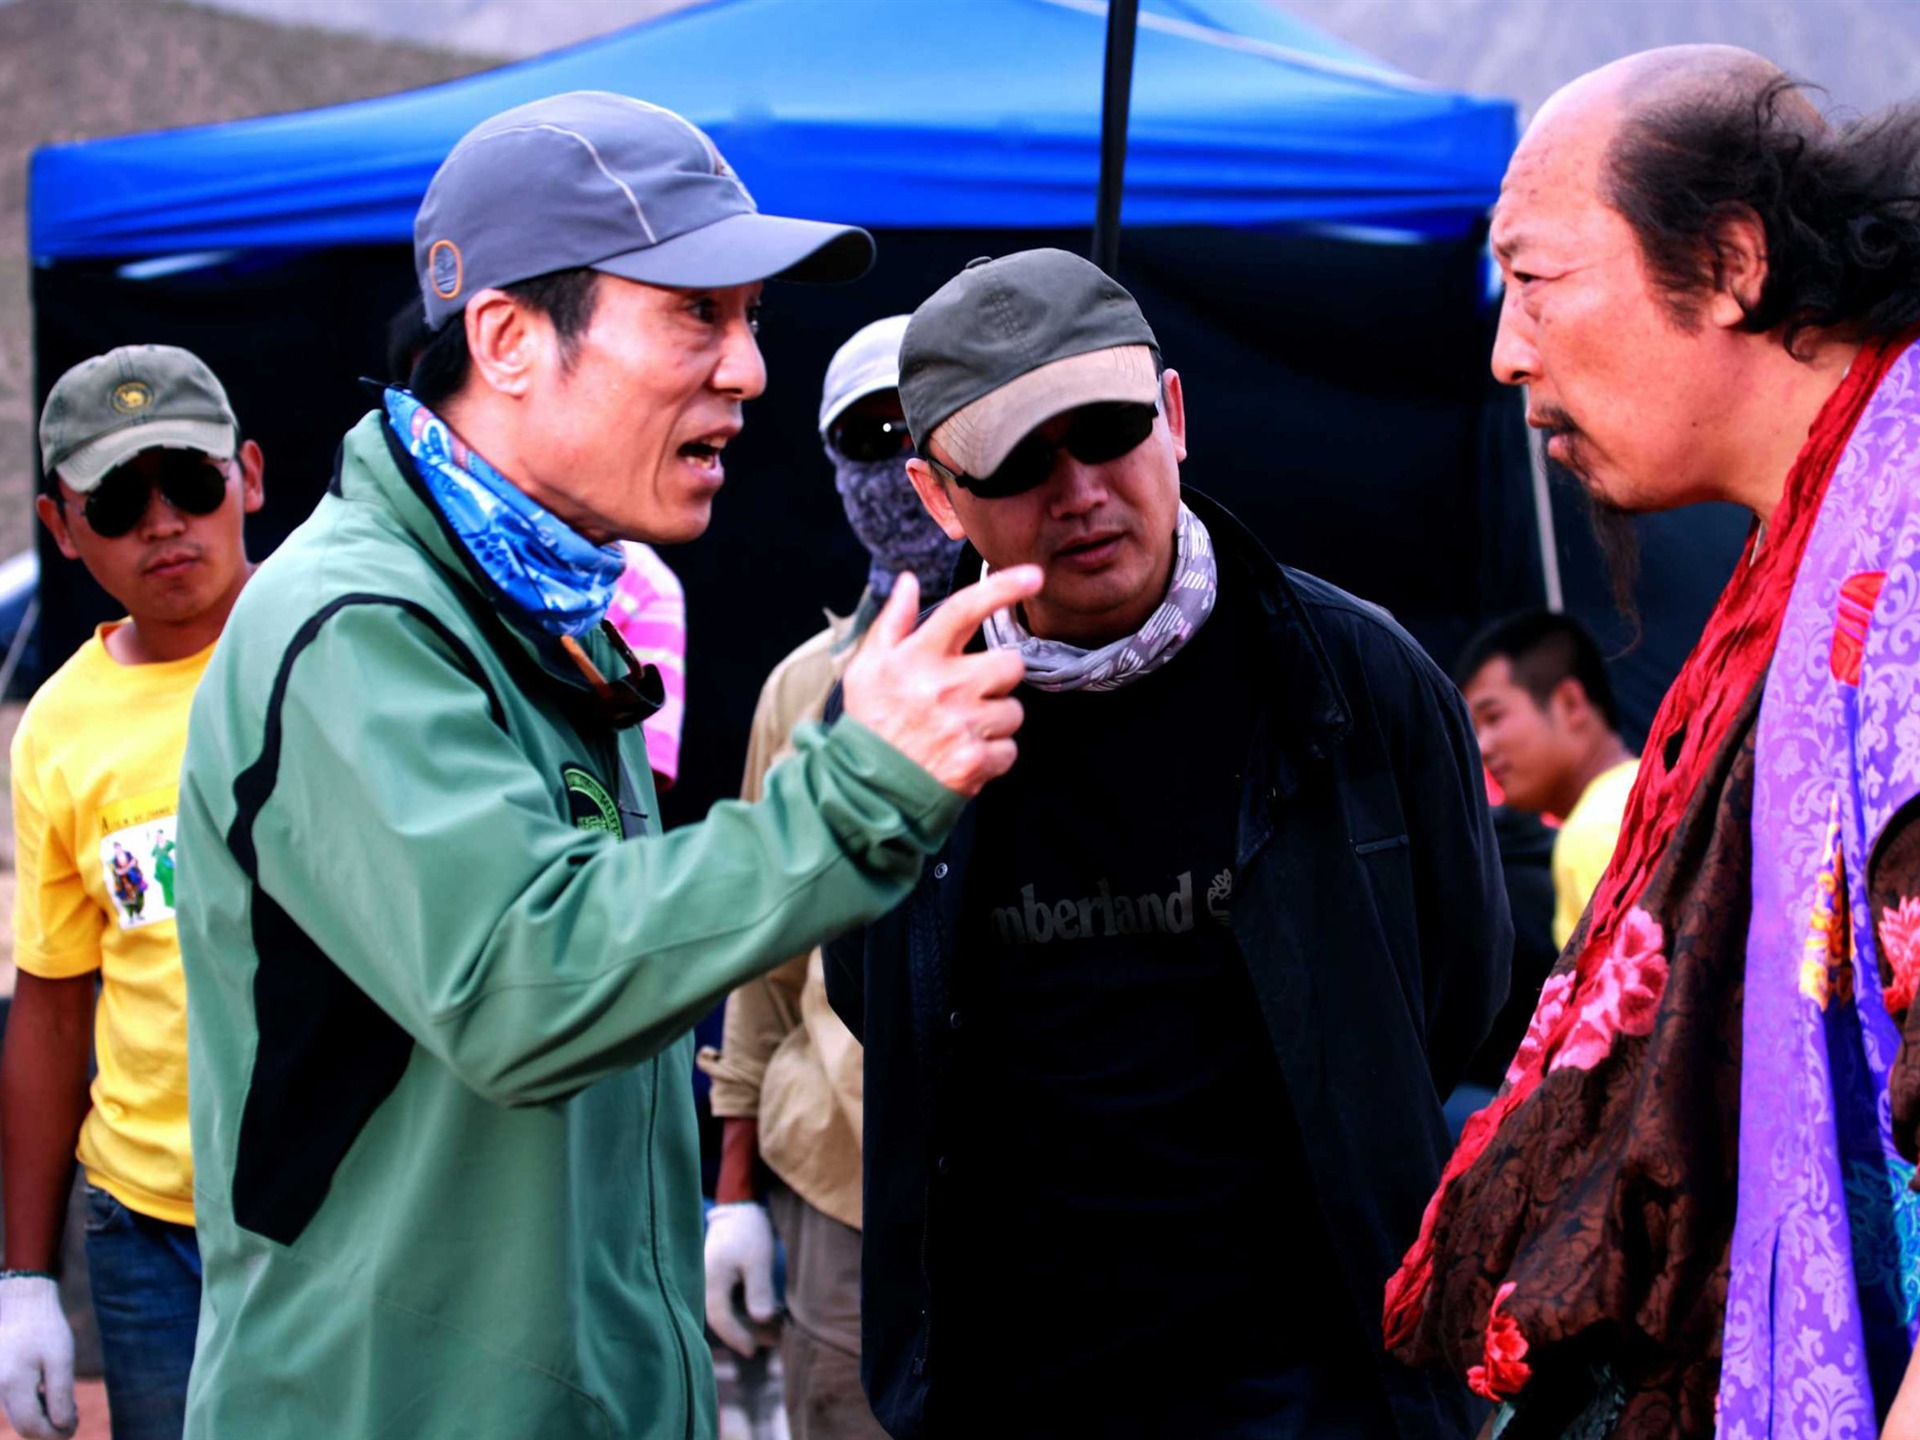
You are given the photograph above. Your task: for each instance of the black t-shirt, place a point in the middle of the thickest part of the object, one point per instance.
(1129, 1197)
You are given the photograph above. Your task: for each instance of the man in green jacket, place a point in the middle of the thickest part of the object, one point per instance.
(440, 961)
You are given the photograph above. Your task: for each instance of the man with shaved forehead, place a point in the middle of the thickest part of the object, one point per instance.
(1691, 1207)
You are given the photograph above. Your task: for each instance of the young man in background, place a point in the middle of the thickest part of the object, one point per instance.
(147, 484)
(1549, 732)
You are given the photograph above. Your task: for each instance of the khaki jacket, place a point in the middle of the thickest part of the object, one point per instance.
(786, 1060)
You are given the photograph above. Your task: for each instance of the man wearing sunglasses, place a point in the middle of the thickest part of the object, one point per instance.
(787, 1078)
(442, 962)
(146, 484)
(1155, 1049)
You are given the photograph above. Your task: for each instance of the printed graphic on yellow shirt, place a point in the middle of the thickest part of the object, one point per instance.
(136, 854)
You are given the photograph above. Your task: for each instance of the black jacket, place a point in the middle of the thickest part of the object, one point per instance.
(1375, 927)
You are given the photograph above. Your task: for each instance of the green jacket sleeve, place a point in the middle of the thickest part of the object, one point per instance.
(424, 851)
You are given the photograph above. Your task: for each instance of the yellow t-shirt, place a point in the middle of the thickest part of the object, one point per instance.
(96, 776)
(1585, 845)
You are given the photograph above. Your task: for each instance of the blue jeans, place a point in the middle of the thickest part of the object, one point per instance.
(145, 1275)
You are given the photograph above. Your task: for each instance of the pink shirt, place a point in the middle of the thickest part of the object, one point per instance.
(649, 610)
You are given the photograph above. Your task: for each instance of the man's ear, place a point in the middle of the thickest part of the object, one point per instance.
(55, 519)
(1173, 404)
(1569, 704)
(933, 494)
(505, 340)
(253, 466)
(1740, 268)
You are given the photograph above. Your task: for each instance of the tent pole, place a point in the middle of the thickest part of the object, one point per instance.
(1117, 91)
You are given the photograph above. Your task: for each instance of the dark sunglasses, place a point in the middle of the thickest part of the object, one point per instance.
(190, 482)
(866, 438)
(1095, 435)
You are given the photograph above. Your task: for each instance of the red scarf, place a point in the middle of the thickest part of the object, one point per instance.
(1688, 732)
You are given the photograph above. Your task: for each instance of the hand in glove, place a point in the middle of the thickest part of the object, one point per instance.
(740, 1254)
(36, 1358)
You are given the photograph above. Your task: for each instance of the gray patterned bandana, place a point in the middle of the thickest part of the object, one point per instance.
(1056, 665)
(890, 521)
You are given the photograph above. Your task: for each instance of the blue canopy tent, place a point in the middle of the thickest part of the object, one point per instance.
(969, 115)
(1304, 228)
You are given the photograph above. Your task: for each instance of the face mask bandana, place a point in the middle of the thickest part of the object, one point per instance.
(890, 521)
(555, 577)
(1056, 665)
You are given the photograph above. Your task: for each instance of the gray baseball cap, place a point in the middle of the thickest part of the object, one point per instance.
(1008, 344)
(106, 410)
(602, 181)
(867, 364)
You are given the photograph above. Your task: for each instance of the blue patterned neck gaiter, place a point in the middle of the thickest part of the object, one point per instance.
(554, 576)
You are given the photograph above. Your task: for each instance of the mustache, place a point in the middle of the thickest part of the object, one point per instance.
(1553, 422)
(1613, 527)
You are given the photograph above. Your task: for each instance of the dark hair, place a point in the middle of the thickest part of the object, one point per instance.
(407, 339)
(1544, 650)
(1840, 206)
(566, 297)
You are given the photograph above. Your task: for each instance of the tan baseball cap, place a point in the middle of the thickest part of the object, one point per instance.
(106, 410)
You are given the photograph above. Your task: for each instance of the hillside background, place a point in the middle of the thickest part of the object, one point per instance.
(75, 69)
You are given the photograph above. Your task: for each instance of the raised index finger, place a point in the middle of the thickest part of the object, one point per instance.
(950, 627)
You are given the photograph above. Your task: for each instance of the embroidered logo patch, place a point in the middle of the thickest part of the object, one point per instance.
(589, 805)
(131, 397)
(1857, 599)
(443, 268)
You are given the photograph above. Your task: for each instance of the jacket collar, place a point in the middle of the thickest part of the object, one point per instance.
(1305, 689)
(1306, 697)
(373, 466)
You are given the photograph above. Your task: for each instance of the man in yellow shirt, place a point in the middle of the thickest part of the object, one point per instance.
(146, 483)
(1549, 732)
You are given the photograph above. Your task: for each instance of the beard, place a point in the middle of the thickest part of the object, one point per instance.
(1612, 525)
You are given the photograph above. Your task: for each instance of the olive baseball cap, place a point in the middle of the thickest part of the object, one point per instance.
(106, 410)
(605, 182)
(1008, 344)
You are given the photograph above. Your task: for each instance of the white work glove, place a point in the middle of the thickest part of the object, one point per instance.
(739, 1253)
(36, 1355)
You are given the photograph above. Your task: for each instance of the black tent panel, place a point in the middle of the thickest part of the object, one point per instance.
(1336, 394)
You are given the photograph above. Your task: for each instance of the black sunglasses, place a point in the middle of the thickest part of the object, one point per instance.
(866, 438)
(190, 482)
(1096, 434)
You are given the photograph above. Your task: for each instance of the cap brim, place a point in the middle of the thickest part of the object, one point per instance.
(881, 375)
(744, 248)
(87, 466)
(977, 437)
